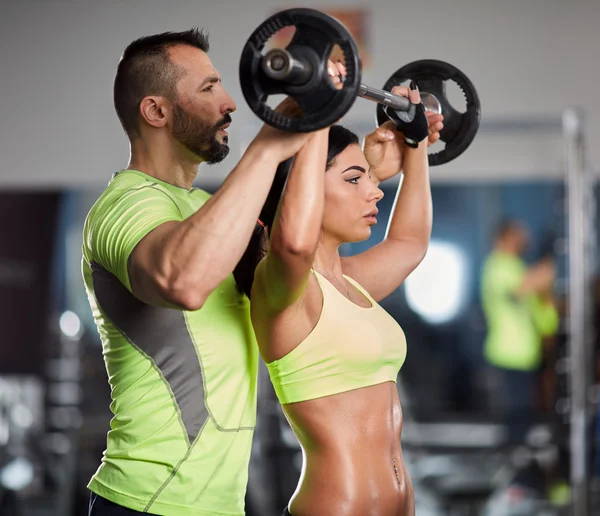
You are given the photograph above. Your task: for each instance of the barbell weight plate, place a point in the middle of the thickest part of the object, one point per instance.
(431, 76)
(315, 36)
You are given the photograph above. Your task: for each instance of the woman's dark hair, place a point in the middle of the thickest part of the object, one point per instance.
(339, 139)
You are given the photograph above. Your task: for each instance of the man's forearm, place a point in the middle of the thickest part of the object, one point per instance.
(205, 248)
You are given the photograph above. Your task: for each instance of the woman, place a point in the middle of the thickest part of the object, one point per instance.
(332, 352)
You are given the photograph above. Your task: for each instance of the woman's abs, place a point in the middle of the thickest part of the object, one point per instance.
(353, 464)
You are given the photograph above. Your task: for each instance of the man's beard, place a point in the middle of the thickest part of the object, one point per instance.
(199, 137)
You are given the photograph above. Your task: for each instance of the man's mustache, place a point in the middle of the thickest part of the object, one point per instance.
(225, 120)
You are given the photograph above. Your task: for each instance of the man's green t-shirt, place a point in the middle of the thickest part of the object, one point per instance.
(515, 323)
(183, 383)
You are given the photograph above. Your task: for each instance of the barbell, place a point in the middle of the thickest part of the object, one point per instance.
(300, 71)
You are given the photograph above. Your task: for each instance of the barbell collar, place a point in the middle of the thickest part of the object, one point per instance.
(279, 64)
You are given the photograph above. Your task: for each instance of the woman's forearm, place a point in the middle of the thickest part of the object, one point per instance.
(412, 212)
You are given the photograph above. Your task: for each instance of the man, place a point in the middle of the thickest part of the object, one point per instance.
(158, 257)
(157, 260)
(519, 310)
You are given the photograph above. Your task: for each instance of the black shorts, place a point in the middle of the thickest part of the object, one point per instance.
(102, 507)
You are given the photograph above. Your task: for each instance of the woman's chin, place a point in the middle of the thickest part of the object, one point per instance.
(359, 236)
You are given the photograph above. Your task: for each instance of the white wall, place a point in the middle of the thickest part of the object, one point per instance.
(529, 60)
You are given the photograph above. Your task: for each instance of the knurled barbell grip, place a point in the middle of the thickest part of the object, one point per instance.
(384, 97)
(279, 64)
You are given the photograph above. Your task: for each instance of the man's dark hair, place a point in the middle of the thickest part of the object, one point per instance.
(145, 69)
(506, 226)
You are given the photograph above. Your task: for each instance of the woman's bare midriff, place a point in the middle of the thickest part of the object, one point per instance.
(353, 464)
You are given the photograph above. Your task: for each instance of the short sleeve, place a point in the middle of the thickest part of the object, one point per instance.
(545, 316)
(117, 225)
(502, 280)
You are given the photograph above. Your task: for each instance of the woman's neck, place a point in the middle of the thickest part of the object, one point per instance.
(327, 260)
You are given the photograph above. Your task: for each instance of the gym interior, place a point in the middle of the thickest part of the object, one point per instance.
(533, 158)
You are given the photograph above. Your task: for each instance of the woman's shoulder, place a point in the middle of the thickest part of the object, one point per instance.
(310, 298)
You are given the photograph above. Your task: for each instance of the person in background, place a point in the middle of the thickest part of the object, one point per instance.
(520, 312)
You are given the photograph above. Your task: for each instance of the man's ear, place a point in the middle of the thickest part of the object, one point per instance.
(154, 111)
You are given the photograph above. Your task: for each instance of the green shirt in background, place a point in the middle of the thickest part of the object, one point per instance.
(183, 384)
(516, 323)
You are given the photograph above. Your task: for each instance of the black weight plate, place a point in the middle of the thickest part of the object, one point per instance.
(431, 76)
(321, 102)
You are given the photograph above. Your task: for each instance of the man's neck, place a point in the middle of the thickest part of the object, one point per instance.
(505, 249)
(164, 163)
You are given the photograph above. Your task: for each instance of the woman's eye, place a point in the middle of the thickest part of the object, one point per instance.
(353, 180)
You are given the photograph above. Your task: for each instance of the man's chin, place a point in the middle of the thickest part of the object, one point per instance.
(216, 157)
